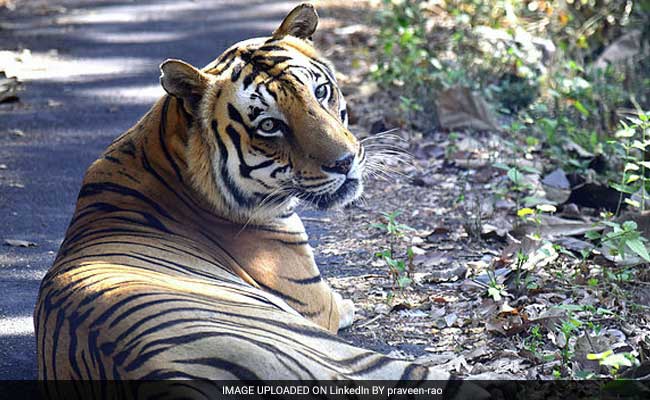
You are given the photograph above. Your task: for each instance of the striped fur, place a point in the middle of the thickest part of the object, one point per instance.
(184, 258)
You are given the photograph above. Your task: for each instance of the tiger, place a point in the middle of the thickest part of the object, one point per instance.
(185, 257)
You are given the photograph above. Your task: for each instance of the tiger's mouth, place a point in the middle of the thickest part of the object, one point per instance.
(350, 190)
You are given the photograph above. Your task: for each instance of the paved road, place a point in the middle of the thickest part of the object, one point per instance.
(93, 73)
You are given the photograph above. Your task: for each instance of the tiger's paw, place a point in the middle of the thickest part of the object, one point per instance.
(346, 311)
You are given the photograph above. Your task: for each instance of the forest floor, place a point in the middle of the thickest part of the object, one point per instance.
(483, 290)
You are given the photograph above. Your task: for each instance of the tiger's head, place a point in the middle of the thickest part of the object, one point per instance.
(270, 125)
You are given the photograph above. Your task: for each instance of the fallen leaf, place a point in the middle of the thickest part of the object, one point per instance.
(438, 312)
(506, 324)
(8, 88)
(477, 353)
(19, 243)
(451, 273)
(450, 319)
(551, 227)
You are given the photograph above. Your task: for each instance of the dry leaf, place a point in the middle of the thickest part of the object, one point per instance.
(19, 243)
(8, 88)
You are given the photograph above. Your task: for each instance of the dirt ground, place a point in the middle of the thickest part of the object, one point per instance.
(464, 235)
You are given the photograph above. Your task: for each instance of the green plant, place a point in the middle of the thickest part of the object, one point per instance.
(622, 237)
(614, 361)
(633, 141)
(535, 216)
(499, 49)
(399, 268)
(522, 258)
(495, 288)
(568, 329)
(573, 325)
(391, 226)
(517, 184)
(534, 343)
(405, 63)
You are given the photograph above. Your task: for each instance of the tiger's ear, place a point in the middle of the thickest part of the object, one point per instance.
(301, 22)
(185, 82)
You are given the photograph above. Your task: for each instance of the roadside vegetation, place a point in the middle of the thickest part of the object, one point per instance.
(521, 228)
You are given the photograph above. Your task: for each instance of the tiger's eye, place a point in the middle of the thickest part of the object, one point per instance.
(321, 91)
(268, 125)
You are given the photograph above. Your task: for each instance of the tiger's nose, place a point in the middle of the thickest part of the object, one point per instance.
(341, 166)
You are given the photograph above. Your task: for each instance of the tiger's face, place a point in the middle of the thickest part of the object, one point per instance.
(286, 133)
(275, 122)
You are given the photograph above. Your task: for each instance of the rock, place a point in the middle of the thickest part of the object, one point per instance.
(460, 108)
(621, 49)
(594, 195)
(557, 179)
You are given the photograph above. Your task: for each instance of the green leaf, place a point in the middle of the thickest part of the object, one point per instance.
(622, 188)
(611, 224)
(593, 235)
(404, 281)
(631, 167)
(514, 175)
(616, 361)
(525, 211)
(578, 105)
(629, 225)
(625, 133)
(639, 145)
(531, 170)
(584, 375)
(633, 203)
(599, 356)
(546, 208)
(637, 246)
(495, 293)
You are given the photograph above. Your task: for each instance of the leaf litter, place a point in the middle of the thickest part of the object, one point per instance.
(486, 296)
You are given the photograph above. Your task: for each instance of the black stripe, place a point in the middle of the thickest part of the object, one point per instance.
(306, 281)
(161, 136)
(113, 159)
(94, 189)
(238, 371)
(281, 295)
